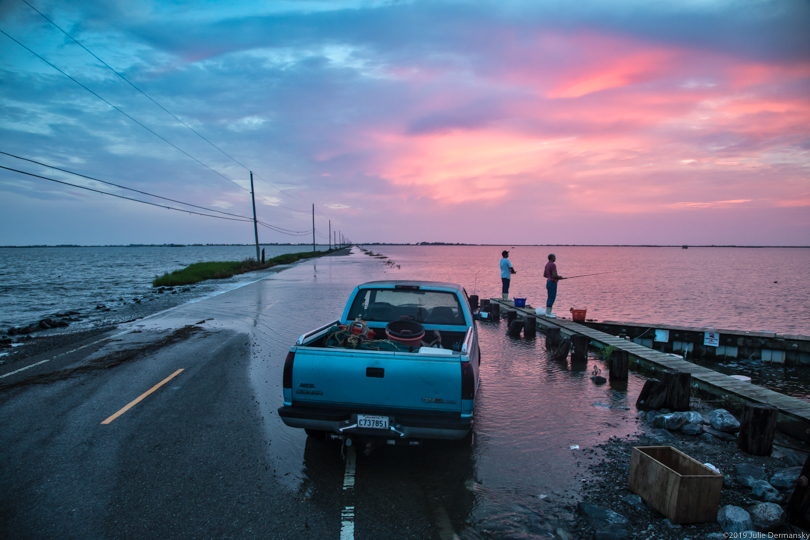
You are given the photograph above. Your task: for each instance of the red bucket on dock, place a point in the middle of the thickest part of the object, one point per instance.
(578, 315)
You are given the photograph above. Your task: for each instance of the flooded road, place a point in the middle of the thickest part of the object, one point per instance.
(239, 471)
(530, 412)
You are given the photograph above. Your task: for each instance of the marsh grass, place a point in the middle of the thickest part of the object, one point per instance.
(608, 351)
(194, 273)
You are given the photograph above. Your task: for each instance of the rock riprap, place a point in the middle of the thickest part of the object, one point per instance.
(724, 421)
(600, 518)
(762, 490)
(747, 474)
(767, 516)
(734, 519)
(692, 429)
(785, 478)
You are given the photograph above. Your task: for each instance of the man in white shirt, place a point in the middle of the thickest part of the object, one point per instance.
(506, 274)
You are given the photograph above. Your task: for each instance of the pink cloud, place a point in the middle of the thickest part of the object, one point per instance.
(595, 124)
(712, 204)
(795, 202)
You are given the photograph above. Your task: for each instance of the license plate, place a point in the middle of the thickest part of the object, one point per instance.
(372, 422)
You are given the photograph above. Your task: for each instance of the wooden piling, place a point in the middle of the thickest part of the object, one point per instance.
(580, 352)
(678, 385)
(485, 304)
(757, 428)
(515, 327)
(511, 315)
(495, 309)
(529, 326)
(552, 337)
(560, 352)
(619, 365)
(474, 302)
(653, 396)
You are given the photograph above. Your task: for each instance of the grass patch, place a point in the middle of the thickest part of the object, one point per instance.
(608, 351)
(194, 273)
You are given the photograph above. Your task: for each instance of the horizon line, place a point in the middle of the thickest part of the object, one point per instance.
(420, 244)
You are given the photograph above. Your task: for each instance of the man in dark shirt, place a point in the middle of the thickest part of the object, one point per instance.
(550, 273)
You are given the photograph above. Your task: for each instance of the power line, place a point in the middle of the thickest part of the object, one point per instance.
(240, 218)
(120, 186)
(236, 217)
(91, 53)
(280, 191)
(302, 233)
(323, 216)
(283, 230)
(122, 112)
(120, 196)
(287, 207)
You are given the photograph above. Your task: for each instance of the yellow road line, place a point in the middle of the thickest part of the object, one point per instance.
(139, 398)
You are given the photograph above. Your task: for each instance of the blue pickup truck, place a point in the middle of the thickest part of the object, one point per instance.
(401, 364)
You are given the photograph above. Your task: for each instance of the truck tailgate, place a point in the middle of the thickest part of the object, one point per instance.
(376, 380)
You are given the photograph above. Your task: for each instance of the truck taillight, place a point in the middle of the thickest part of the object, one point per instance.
(288, 365)
(467, 381)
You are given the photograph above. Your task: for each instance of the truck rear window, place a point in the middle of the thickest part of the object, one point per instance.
(386, 305)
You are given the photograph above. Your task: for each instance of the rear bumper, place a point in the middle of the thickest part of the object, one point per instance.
(402, 425)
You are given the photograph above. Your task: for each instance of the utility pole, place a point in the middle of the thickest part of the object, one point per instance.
(313, 227)
(330, 235)
(334, 237)
(255, 226)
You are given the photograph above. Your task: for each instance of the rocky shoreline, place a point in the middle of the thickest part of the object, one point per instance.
(17, 340)
(755, 488)
(63, 328)
(25, 339)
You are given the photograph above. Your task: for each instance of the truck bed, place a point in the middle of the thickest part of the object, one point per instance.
(335, 383)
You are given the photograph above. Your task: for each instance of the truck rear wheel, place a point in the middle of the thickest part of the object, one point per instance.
(316, 433)
(467, 440)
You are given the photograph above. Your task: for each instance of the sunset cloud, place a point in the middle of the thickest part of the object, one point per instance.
(401, 119)
(713, 204)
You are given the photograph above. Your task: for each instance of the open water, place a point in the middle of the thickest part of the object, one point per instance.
(724, 288)
(38, 282)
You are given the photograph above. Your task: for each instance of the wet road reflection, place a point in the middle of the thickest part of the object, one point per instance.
(520, 473)
(530, 411)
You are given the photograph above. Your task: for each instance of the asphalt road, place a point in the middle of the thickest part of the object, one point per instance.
(203, 455)
(167, 428)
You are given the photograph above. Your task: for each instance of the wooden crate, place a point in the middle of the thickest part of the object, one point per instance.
(681, 488)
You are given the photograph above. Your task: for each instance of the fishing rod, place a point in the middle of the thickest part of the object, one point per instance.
(597, 274)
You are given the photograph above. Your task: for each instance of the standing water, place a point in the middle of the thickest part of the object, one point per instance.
(37, 282)
(724, 288)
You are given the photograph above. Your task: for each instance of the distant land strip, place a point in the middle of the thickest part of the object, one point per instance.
(407, 244)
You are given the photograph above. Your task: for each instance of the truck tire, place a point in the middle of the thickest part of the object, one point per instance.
(467, 440)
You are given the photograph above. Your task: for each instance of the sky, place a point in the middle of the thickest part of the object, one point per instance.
(494, 122)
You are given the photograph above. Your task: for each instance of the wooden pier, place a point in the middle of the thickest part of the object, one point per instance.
(794, 414)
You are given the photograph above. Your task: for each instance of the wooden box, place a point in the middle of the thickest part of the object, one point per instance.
(681, 488)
